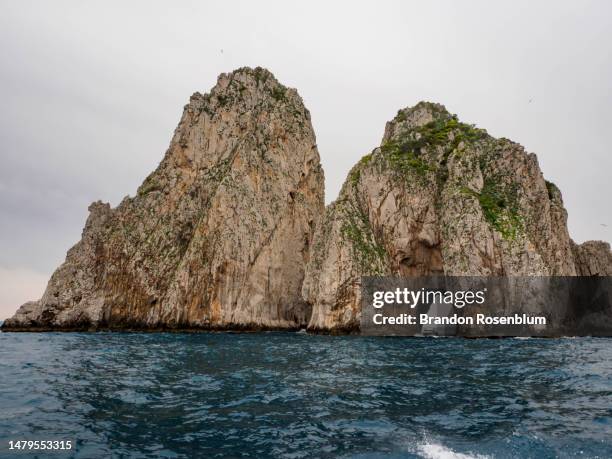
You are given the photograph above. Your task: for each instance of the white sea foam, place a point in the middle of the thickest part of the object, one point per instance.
(437, 451)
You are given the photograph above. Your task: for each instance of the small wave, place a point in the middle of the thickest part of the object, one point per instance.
(437, 451)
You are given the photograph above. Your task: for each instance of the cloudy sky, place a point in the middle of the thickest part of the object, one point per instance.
(91, 92)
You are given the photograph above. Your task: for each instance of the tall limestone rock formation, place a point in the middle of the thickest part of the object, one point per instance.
(439, 197)
(222, 234)
(218, 235)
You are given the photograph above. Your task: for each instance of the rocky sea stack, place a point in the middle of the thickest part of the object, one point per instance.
(217, 236)
(230, 231)
(440, 197)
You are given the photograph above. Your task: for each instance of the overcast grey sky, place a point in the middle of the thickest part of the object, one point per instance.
(92, 91)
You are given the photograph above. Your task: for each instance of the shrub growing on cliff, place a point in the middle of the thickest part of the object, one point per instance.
(405, 158)
(355, 173)
(148, 186)
(357, 231)
(552, 189)
(500, 208)
(279, 94)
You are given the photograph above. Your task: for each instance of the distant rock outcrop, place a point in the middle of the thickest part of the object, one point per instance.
(439, 197)
(593, 258)
(218, 235)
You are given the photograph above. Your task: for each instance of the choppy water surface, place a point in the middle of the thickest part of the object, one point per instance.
(295, 395)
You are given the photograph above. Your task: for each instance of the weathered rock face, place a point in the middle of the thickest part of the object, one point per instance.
(218, 235)
(222, 234)
(593, 258)
(438, 197)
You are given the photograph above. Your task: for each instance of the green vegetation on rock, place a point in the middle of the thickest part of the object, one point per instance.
(357, 230)
(355, 172)
(500, 207)
(401, 116)
(279, 93)
(405, 159)
(553, 190)
(148, 186)
(260, 74)
(407, 152)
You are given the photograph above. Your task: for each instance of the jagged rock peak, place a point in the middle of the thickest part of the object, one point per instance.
(244, 89)
(414, 117)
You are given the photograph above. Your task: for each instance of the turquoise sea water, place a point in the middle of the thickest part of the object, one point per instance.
(294, 395)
